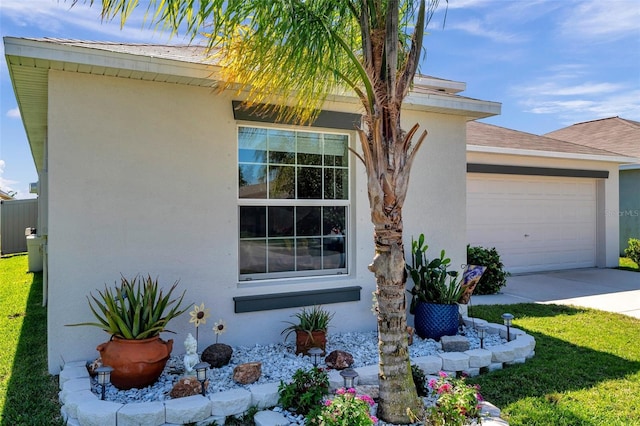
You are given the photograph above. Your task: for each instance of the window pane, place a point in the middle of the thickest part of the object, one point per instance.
(281, 221)
(335, 184)
(281, 255)
(282, 182)
(308, 221)
(333, 251)
(309, 149)
(333, 220)
(253, 222)
(252, 181)
(252, 145)
(309, 183)
(253, 256)
(282, 147)
(335, 150)
(309, 254)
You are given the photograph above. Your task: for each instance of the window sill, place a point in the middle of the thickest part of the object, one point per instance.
(266, 302)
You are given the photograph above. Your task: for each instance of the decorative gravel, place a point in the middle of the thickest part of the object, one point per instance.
(279, 362)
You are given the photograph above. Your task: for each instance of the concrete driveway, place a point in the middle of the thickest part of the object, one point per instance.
(610, 290)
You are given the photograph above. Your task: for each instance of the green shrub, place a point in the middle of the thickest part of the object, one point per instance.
(420, 380)
(633, 251)
(495, 277)
(305, 391)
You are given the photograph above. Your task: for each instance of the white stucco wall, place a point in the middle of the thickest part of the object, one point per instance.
(143, 179)
(607, 232)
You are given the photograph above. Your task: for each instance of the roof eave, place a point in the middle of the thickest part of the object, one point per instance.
(550, 154)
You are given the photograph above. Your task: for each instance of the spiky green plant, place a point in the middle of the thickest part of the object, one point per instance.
(314, 319)
(136, 309)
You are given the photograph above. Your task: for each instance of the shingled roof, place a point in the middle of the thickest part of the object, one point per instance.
(612, 134)
(488, 135)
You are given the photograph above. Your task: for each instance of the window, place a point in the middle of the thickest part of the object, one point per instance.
(293, 202)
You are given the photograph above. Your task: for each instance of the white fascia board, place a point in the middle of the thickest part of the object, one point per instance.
(549, 154)
(457, 105)
(51, 51)
(635, 166)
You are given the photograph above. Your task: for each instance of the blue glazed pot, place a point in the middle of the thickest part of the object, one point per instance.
(432, 321)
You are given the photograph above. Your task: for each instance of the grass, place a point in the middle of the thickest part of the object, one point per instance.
(585, 372)
(628, 264)
(28, 394)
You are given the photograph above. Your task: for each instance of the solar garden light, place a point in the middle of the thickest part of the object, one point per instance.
(104, 377)
(349, 375)
(482, 333)
(201, 373)
(507, 318)
(315, 353)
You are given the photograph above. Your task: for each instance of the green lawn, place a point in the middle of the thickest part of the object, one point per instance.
(28, 394)
(586, 369)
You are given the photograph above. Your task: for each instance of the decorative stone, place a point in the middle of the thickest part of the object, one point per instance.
(91, 366)
(367, 375)
(502, 353)
(187, 386)
(71, 386)
(217, 355)
(231, 402)
(454, 361)
(187, 410)
(270, 418)
(479, 358)
(471, 372)
(70, 373)
(494, 366)
(428, 364)
(454, 343)
(264, 396)
(339, 360)
(247, 373)
(73, 400)
(98, 413)
(145, 413)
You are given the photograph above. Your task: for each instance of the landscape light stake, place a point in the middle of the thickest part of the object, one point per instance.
(104, 377)
(482, 333)
(349, 375)
(314, 353)
(201, 374)
(507, 318)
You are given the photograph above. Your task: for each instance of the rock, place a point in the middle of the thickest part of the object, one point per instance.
(339, 360)
(187, 386)
(217, 355)
(247, 373)
(454, 343)
(91, 366)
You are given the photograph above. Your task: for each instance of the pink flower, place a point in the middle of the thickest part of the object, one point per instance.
(374, 419)
(445, 388)
(367, 399)
(340, 391)
(327, 402)
(443, 374)
(433, 383)
(351, 391)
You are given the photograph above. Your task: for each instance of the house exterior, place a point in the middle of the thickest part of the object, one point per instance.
(145, 168)
(617, 135)
(543, 203)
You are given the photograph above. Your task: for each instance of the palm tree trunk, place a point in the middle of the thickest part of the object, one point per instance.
(397, 389)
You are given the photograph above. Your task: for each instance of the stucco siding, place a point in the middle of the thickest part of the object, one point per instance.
(143, 179)
(629, 213)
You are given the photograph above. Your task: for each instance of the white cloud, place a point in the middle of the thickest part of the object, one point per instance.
(602, 21)
(14, 113)
(5, 184)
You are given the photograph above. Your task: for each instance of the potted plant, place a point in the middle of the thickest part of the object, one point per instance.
(135, 313)
(435, 292)
(311, 329)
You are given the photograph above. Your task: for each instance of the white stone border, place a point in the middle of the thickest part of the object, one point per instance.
(81, 407)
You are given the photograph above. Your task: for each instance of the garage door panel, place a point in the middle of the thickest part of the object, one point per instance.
(535, 222)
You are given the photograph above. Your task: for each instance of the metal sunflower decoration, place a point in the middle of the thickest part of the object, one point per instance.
(219, 328)
(199, 316)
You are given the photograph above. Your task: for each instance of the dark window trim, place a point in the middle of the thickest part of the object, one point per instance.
(536, 171)
(295, 299)
(328, 119)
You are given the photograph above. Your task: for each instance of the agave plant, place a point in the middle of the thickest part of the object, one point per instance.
(136, 309)
(314, 319)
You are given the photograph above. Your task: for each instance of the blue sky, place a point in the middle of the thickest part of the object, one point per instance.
(551, 63)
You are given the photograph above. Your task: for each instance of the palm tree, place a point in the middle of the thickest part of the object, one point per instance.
(288, 56)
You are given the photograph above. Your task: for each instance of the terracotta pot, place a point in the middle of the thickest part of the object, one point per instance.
(135, 363)
(304, 342)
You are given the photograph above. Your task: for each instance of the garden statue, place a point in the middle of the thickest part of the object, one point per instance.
(191, 358)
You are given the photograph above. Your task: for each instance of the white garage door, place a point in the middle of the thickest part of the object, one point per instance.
(536, 223)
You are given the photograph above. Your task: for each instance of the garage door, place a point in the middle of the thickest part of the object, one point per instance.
(536, 223)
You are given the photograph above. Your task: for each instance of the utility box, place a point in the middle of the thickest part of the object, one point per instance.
(34, 251)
